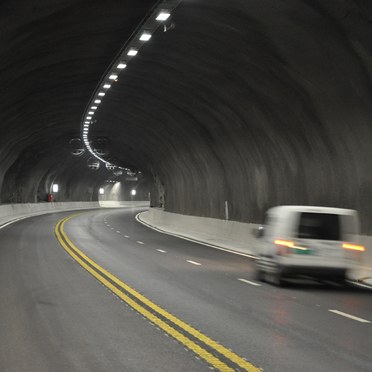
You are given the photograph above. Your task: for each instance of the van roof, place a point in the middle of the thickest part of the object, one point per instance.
(308, 208)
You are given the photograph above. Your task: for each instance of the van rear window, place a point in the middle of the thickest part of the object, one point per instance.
(319, 226)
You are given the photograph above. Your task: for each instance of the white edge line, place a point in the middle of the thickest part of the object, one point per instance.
(194, 263)
(349, 316)
(161, 251)
(249, 282)
(13, 221)
(43, 213)
(139, 242)
(359, 284)
(194, 240)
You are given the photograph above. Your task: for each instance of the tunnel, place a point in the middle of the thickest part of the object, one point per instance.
(253, 104)
(182, 184)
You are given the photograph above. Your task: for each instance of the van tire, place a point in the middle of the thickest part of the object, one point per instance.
(276, 277)
(260, 275)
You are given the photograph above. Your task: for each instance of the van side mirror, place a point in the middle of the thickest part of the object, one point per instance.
(259, 232)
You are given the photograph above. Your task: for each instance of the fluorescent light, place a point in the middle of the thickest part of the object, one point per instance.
(113, 76)
(86, 122)
(89, 117)
(132, 52)
(107, 86)
(86, 125)
(97, 101)
(163, 16)
(94, 107)
(121, 65)
(55, 187)
(101, 191)
(101, 94)
(133, 192)
(91, 112)
(145, 36)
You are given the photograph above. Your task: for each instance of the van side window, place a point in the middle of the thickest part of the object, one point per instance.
(320, 226)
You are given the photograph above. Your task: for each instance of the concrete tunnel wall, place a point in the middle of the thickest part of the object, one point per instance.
(257, 104)
(52, 55)
(253, 103)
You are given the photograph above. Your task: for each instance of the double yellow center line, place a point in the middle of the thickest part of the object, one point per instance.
(212, 352)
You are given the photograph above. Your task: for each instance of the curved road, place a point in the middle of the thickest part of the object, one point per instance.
(55, 316)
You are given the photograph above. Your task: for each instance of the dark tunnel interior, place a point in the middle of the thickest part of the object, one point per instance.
(257, 103)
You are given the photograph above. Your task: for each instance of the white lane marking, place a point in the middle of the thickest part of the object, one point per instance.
(139, 242)
(112, 228)
(126, 236)
(161, 251)
(349, 316)
(194, 263)
(118, 232)
(249, 282)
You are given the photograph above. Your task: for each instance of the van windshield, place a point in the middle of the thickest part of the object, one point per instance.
(319, 226)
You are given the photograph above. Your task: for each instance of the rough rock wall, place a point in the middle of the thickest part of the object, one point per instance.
(254, 103)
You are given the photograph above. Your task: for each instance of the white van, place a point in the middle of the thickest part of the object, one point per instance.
(312, 241)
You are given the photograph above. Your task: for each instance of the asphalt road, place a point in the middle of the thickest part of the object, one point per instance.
(55, 316)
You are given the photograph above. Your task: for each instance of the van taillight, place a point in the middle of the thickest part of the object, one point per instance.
(284, 243)
(283, 247)
(353, 247)
(288, 247)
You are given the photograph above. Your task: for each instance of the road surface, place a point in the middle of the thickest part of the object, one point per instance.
(101, 292)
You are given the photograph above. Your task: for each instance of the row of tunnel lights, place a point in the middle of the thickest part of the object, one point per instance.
(101, 191)
(162, 16)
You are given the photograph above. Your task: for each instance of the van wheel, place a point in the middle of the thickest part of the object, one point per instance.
(276, 276)
(260, 275)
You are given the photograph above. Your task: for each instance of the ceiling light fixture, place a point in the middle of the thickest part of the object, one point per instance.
(146, 36)
(163, 16)
(144, 32)
(132, 52)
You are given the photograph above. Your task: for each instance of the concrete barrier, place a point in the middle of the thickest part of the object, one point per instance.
(126, 204)
(226, 234)
(9, 212)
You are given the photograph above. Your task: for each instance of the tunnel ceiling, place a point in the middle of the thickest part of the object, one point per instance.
(244, 104)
